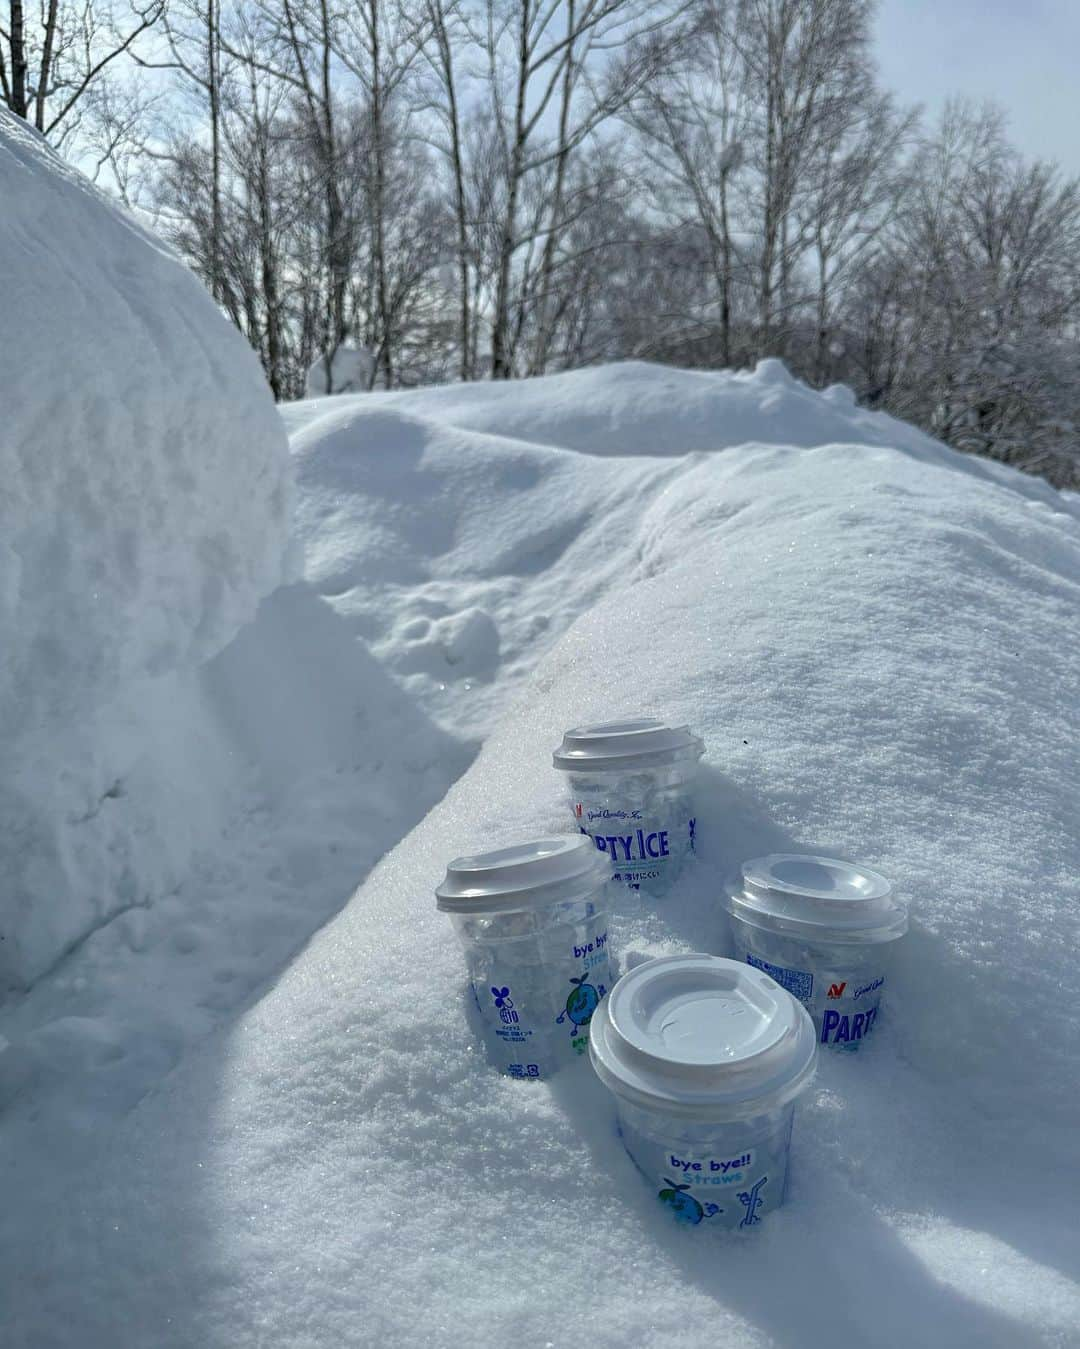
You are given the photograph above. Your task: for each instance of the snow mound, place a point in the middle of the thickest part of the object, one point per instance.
(144, 514)
(416, 511)
(459, 556)
(290, 763)
(635, 407)
(878, 645)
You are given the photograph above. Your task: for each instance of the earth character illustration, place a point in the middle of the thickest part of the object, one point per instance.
(582, 1002)
(683, 1205)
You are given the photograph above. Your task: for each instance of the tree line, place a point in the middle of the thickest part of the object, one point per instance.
(474, 189)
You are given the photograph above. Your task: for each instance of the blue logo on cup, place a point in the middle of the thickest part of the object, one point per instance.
(505, 1004)
(751, 1200)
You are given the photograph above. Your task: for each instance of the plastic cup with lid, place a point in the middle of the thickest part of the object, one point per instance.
(824, 929)
(706, 1058)
(532, 920)
(631, 787)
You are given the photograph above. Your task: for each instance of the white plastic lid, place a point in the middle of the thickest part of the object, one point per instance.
(704, 1037)
(819, 897)
(527, 875)
(638, 742)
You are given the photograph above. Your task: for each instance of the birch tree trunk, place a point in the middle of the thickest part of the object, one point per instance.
(17, 97)
(501, 362)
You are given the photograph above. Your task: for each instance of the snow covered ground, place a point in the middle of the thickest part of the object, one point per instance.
(877, 639)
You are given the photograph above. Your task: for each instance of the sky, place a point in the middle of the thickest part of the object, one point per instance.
(1022, 53)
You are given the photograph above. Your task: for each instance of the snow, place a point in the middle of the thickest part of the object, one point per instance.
(144, 514)
(316, 767)
(875, 637)
(456, 555)
(419, 509)
(636, 408)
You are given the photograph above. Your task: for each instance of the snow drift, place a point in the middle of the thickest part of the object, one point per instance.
(143, 516)
(877, 641)
(637, 408)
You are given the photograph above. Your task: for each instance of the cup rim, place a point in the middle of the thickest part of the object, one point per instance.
(625, 744)
(773, 1064)
(531, 874)
(848, 905)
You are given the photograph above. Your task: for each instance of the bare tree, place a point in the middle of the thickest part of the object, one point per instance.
(856, 182)
(56, 55)
(509, 186)
(193, 33)
(801, 57)
(446, 32)
(380, 43)
(691, 120)
(972, 306)
(583, 61)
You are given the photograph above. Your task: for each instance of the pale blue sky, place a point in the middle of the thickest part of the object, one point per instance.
(1023, 53)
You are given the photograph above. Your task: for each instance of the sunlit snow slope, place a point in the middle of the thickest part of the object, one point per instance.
(877, 640)
(460, 530)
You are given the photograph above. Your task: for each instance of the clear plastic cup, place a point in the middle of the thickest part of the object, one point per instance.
(706, 1058)
(532, 921)
(824, 929)
(631, 786)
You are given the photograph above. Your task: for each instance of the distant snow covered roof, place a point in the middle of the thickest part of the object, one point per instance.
(350, 371)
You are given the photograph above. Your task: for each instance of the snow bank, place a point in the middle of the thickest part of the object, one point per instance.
(635, 407)
(470, 509)
(290, 762)
(143, 516)
(878, 645)
(459, 556)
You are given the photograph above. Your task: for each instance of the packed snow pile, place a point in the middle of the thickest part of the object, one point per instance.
(461, 529)
(876, 639)
(458, 556)
(143, 516)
